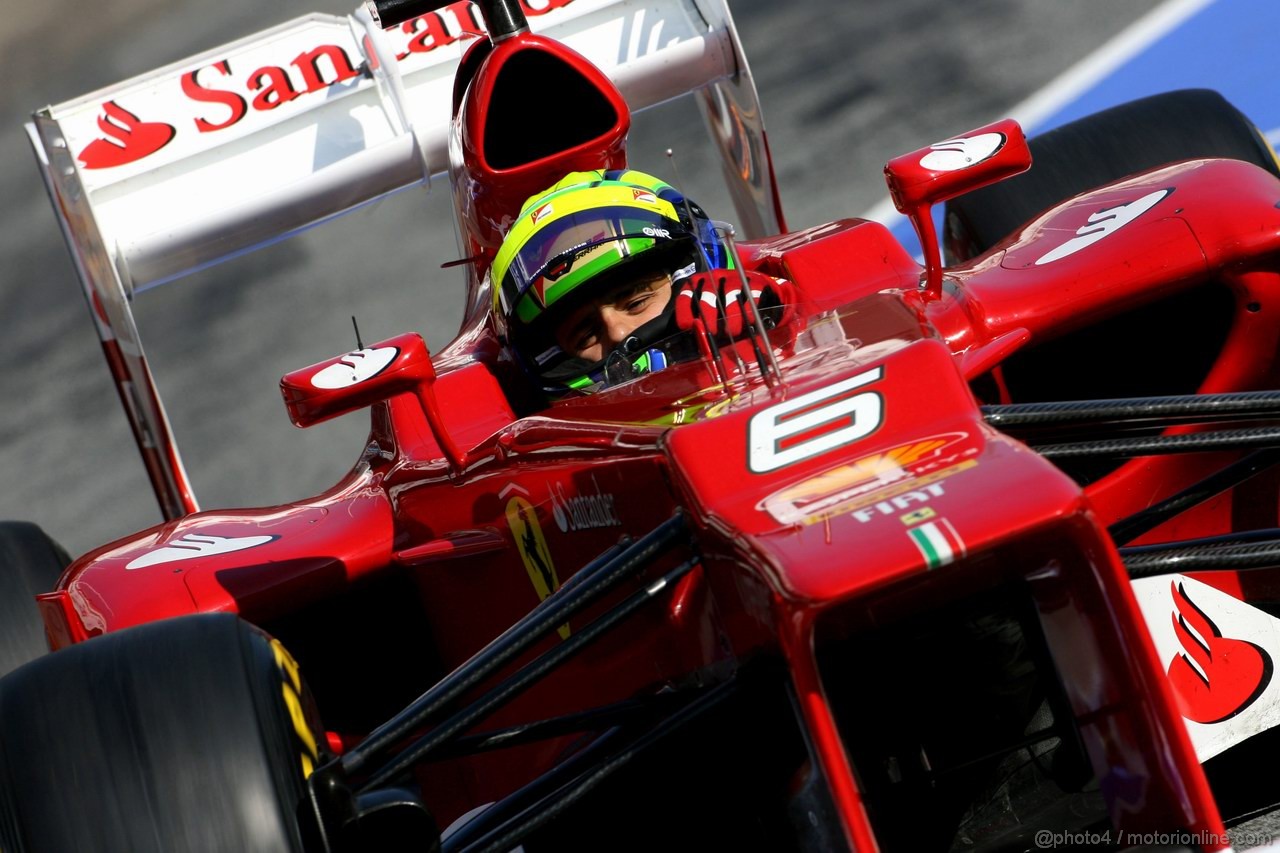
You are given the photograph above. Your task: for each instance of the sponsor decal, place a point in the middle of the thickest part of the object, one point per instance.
(546, 210)
(1214, 677)
(814, 423)
(650, 231)
(532, 545)
(291, 689)
(194, 545)
(256, 82)
(917, 516)
(901, 496)
(645, 196)
(892, 505)
(953, 155)
(127, 139)
(355, 367)
(583, 512)
(442, 28)
(1103, 224)
(937, 542)
(266, 88)
(866, 480)
(1219, 654)
(457, 21)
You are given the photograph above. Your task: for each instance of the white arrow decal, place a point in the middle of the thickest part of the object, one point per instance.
(195, 545)
(956, 154)
(1103, 224)
(355, 367)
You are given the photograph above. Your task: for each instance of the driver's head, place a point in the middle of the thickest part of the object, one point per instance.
(585, 275)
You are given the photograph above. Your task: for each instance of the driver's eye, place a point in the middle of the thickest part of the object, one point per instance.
(637, 303)
(587, 340)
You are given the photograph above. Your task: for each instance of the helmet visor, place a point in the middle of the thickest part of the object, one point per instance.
(577, 248)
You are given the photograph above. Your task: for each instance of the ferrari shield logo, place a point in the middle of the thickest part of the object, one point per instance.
(532, 546)
(545, 210)
(917, 516)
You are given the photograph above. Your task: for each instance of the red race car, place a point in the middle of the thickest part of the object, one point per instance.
(826, 549)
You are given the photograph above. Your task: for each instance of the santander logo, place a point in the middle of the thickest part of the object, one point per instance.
(956, 154)
(1214, 678)
(258, 83)
(194, 545)
(128, 138)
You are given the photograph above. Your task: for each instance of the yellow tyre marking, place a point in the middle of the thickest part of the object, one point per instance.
(291, 687)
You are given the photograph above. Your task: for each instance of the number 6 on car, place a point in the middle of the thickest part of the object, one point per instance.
(842, 421)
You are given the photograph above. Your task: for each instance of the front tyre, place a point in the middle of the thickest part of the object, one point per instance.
(30, 563)
(191, 734)
(1097, 149)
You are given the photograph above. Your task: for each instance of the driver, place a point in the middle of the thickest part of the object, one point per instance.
(602, 268)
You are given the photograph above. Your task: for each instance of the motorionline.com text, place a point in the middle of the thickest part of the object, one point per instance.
(1047, 839)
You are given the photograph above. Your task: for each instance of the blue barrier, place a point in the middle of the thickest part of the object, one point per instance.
(1226, 45)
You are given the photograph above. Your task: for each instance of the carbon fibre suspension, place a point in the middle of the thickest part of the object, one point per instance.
(352, 795)
(1042, 426)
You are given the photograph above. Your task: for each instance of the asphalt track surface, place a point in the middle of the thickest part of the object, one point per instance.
(845, 86)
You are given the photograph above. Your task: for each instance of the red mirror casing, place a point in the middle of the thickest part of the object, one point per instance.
(956, 166)
(946, 169)
(357, 380)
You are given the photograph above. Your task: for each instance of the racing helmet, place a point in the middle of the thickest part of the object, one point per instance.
(588, 233)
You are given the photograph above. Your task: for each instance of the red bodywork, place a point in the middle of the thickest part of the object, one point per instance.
(808, 535)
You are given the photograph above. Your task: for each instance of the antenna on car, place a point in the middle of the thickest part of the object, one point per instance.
(356, 326)
(688, 208)
(758, 334)
(707, 336)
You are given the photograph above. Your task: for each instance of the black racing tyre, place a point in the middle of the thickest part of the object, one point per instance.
(30, 563)
(1101, 148)
(189, 734)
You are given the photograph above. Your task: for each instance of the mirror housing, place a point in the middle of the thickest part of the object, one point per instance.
(950, 168)
(358, 379)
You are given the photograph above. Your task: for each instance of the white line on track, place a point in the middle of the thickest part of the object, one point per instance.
(1075, 80)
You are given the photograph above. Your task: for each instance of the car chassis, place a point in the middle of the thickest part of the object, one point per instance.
(827, 598)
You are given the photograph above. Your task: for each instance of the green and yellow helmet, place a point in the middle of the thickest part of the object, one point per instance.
(585, 233)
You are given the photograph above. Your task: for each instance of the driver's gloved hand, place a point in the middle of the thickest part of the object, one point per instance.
(715, 298)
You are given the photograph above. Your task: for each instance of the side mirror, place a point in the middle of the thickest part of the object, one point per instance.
(358, 379)
(947, 169)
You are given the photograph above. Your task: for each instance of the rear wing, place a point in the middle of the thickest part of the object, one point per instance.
(240, 146)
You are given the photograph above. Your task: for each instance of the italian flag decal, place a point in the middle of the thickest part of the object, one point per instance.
(938, 542)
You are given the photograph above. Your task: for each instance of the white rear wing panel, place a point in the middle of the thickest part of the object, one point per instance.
(242, 145)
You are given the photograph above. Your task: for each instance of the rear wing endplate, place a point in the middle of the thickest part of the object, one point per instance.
(235, 148)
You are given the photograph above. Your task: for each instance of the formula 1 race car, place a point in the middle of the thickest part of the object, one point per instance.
(980, 554)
